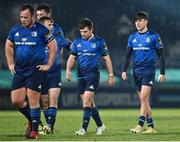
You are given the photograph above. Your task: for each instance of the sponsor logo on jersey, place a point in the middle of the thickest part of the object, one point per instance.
(23, 39)
(59, 84)
(134, 40)
(141, 48)
(17, 34)
(79, 45)
(85, 50)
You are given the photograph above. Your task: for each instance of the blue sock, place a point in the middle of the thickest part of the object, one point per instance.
(150, 122)
(45, 111)
(52, 111)
(96, 116)
(141, 120)
(35, 117)
(26, 112)
(87, 113)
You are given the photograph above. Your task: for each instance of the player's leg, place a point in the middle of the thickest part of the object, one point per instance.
(96, 116)
(34, 98)
(34, 86)
(52, 110)
(148, 82)
(54, 88)
(18, 95)
(44, 99)
(87, 109)
(138, 82)
(45, 104)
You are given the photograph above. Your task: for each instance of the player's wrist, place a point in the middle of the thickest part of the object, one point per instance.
(111, 75)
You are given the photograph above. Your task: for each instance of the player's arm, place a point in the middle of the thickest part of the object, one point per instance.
(160, 53)
(126, 63)
(110, 69)
(70, 64)
(9, 51)
(52, 46)
(52, 52)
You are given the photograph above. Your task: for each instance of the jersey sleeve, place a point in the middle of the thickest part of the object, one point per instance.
(11, 35)
(104, 49)
(48, 36)
(129, 44)
(73, 48)
(158, 42)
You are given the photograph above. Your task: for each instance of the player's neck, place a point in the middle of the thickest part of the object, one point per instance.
(145, 29)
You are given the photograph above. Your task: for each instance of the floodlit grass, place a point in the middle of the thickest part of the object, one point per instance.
(117, 121)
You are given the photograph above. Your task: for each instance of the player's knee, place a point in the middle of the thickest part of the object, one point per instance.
(18, 103)
(45, 104)
(87, 103)
(143, 98)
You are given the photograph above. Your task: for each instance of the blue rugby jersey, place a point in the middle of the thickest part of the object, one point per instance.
(88, 53)
(30, 46)
(144, 47)
(57, 30)
(62, 42)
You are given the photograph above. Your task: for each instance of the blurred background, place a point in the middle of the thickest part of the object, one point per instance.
(113, 20)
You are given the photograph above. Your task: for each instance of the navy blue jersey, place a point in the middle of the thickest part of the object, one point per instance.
(62, 42)
(144, 47)
(57, 29)
(88, 53)
(29, 46)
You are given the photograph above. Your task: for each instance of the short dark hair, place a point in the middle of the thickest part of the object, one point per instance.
(141, 15)
(44, 18)
(27, 6)
(85, 22)
(44, 6)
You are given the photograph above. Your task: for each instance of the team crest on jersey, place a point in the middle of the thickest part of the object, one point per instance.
(134, 40)
(34, 34)
(17, 34)
(93, 45)
(147, 39)
(79, 45)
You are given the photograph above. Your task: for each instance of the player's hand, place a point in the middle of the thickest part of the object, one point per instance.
(68, 75)
(124, 76)
(111, 80)
(162, 78)
(11, 68)
(43, 67)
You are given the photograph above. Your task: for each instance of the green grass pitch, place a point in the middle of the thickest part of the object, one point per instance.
(117, 121)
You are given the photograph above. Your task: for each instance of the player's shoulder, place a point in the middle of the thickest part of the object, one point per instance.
(151, 32)
(57, 29)
(99, 39)
(40, 28)
(133, 33)
(16, 27)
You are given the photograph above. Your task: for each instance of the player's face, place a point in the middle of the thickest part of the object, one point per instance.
(41, 13)
(26, 18)
(48, 24)
(86, 32)
(141, 25)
